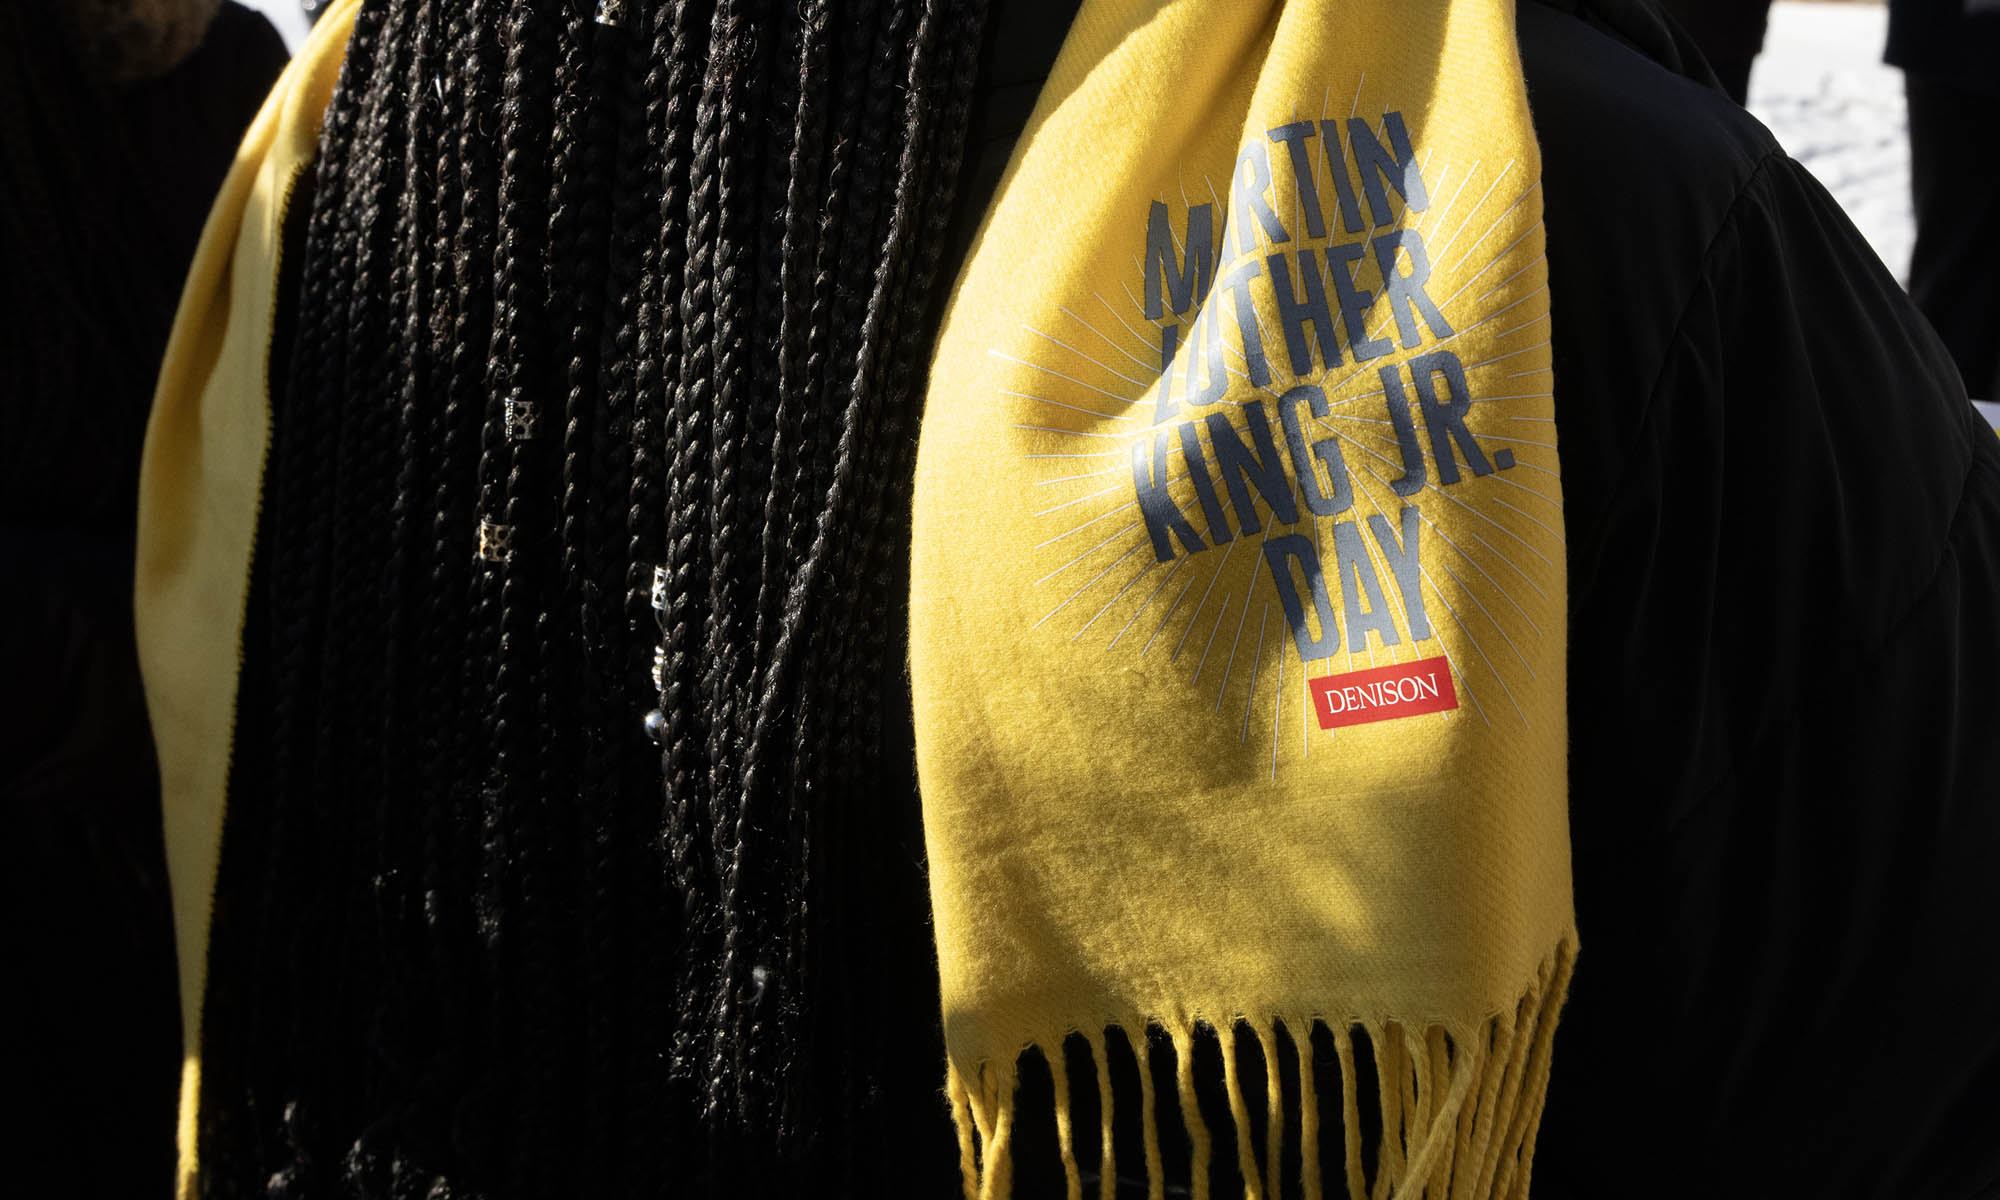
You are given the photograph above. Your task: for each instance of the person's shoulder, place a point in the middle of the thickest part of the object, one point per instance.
(1624, 103)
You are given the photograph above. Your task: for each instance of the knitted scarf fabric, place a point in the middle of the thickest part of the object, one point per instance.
(1238, 593)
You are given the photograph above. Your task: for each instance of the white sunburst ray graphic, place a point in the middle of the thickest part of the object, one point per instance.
(1153, 346)
(1537, 319)
(1478, 649)
(1140, 539)
(1497, 475)
(1492, 620)
(1104, 337)
(1221, 566)
(1305, 711)
(1527, 545)
(1346, 643)
(1116, 487)
(1472, 212)
(1483, 436)
(1209, 645)
(1464, 680)
(1114, 536)
(1457, 331)
(1118, 469)
(1504, 213)
(1278, 699)
(1336, 396)
(1116, 597)
(1325, 423)
(1168, 615)
(1076, 529)
(1173, 569)
(1151, 565)
(1497, 259)
(1338, 393)
(1263, 246)
(1284, 643)
(1086, 357)
(1256, 663)
(1466, 556)
(1045, 369)
(1545, 498)
(1500, 358)
(1490, 292)
(1444, 650)
(1090, 583)
(1431, 210)
(1530, 517)
(1236, 642)
(1393, 595)
(1083, 433)
(1400, 218)
(1227, 349)
(1052, 403)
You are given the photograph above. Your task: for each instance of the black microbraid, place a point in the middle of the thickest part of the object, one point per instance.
(412, 836)
(682, 705)
(524, 378)
(586, 297)
(579, 221)
(720, 224)
(279, 1047)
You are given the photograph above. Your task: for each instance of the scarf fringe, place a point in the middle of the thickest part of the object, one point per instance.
(1458, 1109)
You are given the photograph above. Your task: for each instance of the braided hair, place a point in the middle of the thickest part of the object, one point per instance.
(570, 847)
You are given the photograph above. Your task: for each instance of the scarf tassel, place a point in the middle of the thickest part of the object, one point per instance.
(1457, 1110)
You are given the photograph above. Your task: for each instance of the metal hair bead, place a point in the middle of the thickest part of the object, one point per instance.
(496, 541)
(659, 667)
(611, 13)
(659, 589)
(656, 727)
(520, 419)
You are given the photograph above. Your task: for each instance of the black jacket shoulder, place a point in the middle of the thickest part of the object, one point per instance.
(1781, 515)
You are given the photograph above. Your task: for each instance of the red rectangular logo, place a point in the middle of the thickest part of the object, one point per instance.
(1384, 693)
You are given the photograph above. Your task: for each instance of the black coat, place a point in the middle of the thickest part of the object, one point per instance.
(1946, 42)
(1784, 569)
(102, 197)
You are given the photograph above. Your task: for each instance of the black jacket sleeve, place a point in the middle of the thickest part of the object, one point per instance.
(1784, 558)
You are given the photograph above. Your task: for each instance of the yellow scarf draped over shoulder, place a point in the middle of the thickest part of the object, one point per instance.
(200, 488)
(1237, 607)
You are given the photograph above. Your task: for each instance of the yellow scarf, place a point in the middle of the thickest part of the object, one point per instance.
(199, 488)
(1237, 621)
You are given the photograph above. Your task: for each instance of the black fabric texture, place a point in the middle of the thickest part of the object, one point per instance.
(102, 197)
(1944, 39)
(1955, 183)
(1775, 495)
(1730, 34)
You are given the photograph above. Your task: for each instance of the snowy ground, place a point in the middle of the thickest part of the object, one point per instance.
(1822, 87)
